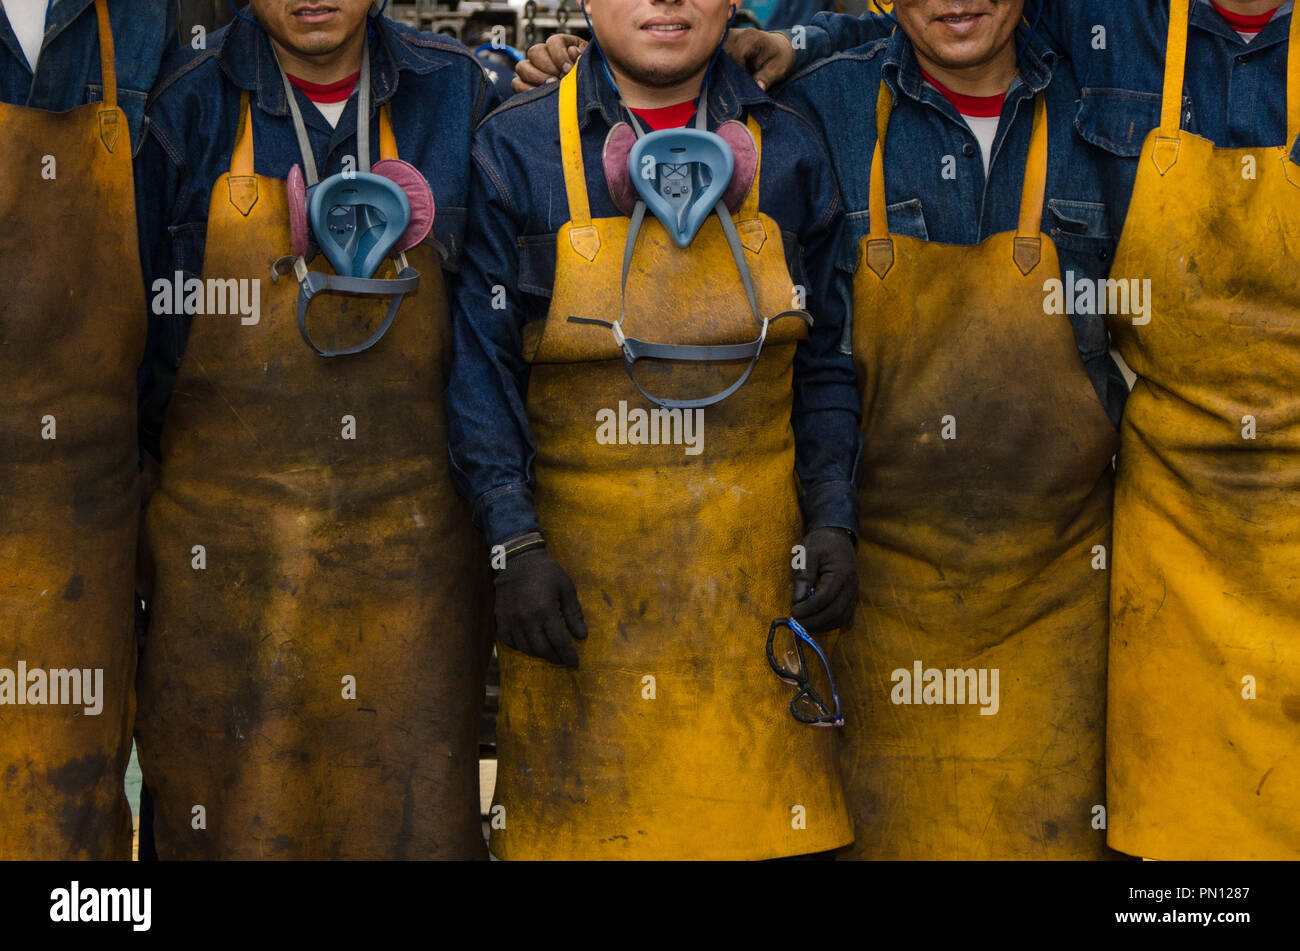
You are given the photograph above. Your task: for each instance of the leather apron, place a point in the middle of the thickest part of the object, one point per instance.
(72, 329)
(324, 558)
(986, 493)
(673, 739)
(1204, 721)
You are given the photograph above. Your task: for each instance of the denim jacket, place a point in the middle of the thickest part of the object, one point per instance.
(67, 72)
(518, 203)
(935, 181)
(437, 91)
(1234, 92)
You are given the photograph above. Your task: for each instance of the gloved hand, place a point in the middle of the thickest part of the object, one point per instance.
(832, 572)
(537, 608)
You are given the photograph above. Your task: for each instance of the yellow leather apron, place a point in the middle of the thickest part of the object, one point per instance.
(673, 739)
(315, 686)
(1204, 721)
(72, 328)
(986, 488)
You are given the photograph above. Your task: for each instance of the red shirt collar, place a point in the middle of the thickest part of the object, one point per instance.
(980, 107)
(667, 117)
(1244, 23)
(327, 92)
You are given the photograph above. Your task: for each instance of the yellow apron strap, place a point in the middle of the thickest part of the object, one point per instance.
(108, 116)
(241, 160)
(387, 141)
(1293, 83)
(582, 233)
(106, 63)
(880, 247)
(749, 207)
(1027, 249)
(1165, 152)
(1028, 245)
(242, 178)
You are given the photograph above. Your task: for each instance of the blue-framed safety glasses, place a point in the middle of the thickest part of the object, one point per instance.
(790, 649)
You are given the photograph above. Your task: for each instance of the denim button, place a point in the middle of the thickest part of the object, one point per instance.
(968, 150)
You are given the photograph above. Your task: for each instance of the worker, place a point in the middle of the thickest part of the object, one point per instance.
(977, 663)
(312, 676)
(659, 433)
(73, 81)
(1196, 108)
(989, 423)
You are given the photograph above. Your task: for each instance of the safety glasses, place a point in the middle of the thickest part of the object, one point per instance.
(789, 647)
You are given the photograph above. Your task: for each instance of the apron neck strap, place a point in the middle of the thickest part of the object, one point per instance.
(1293, 82)
(387, 141)
(241, 160)
(1171, 108)
(575, 175)
(749, 207)
(1028, 243)
(106, 62)
(877, 204)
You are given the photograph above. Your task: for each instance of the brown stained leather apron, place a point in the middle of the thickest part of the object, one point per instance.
(1204, 728)
(673, 739)
(72, 328)
(986, 489)
(326, 558)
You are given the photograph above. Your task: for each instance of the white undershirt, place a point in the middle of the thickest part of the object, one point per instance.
(986, 132)
(27, 17)
(332, 111)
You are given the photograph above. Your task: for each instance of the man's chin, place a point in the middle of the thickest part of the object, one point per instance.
(313, 43)
(963, 57)
(662, 74)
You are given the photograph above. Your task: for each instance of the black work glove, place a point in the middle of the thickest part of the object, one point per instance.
(537, 608)
(832, 572)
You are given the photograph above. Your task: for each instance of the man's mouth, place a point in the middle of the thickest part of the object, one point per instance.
(666, 28)
(314, 13)
(961, 23)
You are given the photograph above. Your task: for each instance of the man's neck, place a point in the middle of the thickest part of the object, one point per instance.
(641, 96)
(988, 79)
(1250, 7)
(323, 68)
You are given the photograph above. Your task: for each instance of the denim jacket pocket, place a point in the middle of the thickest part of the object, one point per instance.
(1081, 227)
(1119, 120)
(537, 264)
(905, 218)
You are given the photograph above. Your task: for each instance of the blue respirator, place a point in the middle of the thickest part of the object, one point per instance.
(356, 219)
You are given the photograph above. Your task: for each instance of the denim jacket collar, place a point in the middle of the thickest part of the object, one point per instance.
(249, 62)
(1205, 17)
(61, 13)
(902, 71)
(731, 89)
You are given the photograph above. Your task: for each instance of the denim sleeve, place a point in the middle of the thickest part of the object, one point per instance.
(826, 409)
(157, 183)
(831, 33)
(489, 440)
(1058, 23)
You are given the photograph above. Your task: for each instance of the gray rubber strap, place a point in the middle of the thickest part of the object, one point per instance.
(405, 283)
(300, 130)
(634, 349)
(309, 169)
